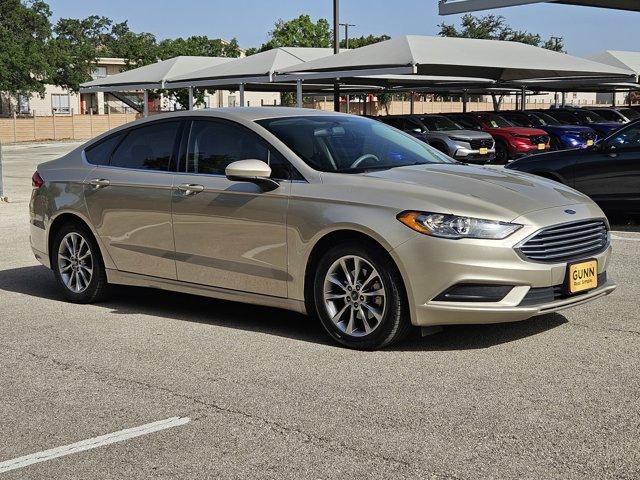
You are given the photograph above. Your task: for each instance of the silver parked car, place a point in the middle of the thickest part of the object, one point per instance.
(444, 134)
(333, 215)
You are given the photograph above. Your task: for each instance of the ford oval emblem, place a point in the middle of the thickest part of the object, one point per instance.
(570, 212)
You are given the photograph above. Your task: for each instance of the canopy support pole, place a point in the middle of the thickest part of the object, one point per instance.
(145, 103)
(411, 103)
(336, 50)
(523, 99)
(613, 99)
(629, 98)
(299, 93)
(241, 88)
(563, 99)
(465, 99)
(190, 98)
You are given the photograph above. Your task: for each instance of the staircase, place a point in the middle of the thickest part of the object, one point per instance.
(130, 100)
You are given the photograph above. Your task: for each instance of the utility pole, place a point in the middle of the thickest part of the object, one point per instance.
(346, 44)
(336, 50)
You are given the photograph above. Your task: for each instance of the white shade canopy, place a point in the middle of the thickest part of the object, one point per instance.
(152, 76)
(461, 57)
(258, 68)
(620, 59)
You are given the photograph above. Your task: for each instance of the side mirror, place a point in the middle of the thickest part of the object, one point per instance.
(416, 130)
(253, 171)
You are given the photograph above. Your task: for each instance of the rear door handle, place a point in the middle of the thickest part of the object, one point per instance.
(99, 182)
(190, 188)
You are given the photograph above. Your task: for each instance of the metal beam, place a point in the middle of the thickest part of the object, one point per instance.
(145, 106)
(452, 7)
(241, 88)
(336, 50)
(299, 93)
(190, 98)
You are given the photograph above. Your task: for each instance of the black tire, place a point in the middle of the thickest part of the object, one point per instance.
(394, 324)
(502, 154)
(97, 288)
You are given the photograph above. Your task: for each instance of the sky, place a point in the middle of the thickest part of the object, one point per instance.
(585, 30)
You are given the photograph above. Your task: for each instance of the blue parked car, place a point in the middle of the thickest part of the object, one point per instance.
(587, 118)
(562, 136)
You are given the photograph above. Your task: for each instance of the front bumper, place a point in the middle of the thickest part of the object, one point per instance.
(432, 265)
(470, 155)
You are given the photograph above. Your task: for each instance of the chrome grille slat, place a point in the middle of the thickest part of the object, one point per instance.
(566, 241)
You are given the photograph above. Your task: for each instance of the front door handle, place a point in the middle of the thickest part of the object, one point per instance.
(99, 182)
(190, 188)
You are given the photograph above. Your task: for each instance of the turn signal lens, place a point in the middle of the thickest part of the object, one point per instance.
(455, 227)
(36, 180)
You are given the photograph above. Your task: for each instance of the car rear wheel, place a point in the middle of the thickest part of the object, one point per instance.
(77, 265)
(359, 299)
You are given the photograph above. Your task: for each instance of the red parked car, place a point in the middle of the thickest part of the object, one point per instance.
(511, 141)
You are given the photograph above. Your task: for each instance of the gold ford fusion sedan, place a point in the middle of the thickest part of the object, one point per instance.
(333, 215)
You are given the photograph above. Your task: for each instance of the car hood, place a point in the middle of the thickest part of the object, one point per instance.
(520, 130)
(482, 192)
(567, 129)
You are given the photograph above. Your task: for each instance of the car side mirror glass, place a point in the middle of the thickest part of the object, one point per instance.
(416, 130)
(253, 171)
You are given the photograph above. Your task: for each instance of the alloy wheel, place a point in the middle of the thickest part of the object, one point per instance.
(75, 262)
(354, 296)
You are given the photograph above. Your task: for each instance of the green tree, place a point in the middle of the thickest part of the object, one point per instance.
(25, 30)
(298, 32)
(137, 49)
(74, 50)
(494, 27)
(363, 41)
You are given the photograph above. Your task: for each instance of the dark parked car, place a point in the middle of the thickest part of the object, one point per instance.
(586, 118)
(617, 114)
(562, 136)
(609, 172)
(511, 141)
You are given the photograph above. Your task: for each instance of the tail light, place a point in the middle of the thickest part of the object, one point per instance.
(36, 180)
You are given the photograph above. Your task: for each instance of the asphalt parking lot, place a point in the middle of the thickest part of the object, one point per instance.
(253, 392)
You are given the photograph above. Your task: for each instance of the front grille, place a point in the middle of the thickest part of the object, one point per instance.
(567, 241)
(542, 295)
(481, 143)
(539, 139)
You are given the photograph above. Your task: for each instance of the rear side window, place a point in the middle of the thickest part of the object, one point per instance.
(214, 145)
(147, 148)
(100, 153)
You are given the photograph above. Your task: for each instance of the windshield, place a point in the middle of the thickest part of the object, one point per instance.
(350, 144)
(588, 117)
(521, 120)
(436, 123)
(545, 119)
(494, 121)
(630, 113)
(610, 115)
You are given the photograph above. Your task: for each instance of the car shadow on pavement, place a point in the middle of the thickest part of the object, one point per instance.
(38, 281)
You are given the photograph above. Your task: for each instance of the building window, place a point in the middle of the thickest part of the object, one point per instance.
(99, 72)
(60, 103)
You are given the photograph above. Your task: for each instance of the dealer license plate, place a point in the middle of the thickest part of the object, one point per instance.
(484, 151)
(583, 276)
(542, 146)
(589, 143)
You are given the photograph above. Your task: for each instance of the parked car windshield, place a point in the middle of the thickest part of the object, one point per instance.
(494, 121)
(545, 119)
(610, 115)
(521, 120)
(589, 117)
(630, 113)
(436, 123)
(350, 144)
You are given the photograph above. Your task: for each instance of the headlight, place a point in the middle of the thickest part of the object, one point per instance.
(452, 226)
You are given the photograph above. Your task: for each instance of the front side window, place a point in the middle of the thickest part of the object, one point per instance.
(147, 148)
(610, 115)
(467, 122)
(565, 117)
(588, 117)
(630, 113)
(214, 145)
(348, 144)
(545, 119)
(628, 138)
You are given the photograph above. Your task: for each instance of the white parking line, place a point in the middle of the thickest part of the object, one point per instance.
(626, 239)
(95, 442)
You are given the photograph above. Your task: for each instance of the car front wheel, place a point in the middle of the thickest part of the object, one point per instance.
(359, 298)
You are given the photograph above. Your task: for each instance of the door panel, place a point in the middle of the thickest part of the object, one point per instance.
(133, 218)
(229, 234)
